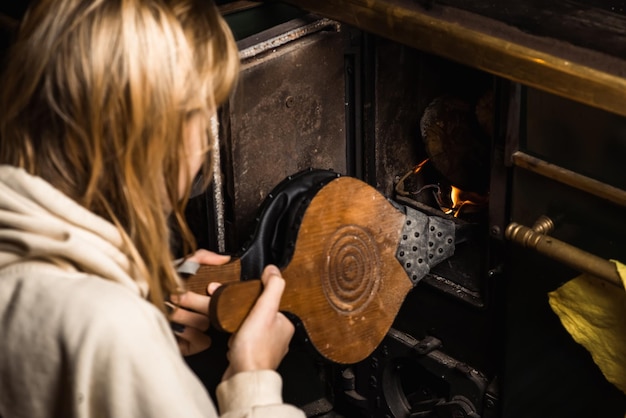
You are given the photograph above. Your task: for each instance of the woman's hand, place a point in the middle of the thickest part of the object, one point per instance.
(263, 339)
(190, 311)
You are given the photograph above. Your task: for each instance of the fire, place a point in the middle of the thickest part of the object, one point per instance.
(437, 191)
(460, 201)
(420, 165)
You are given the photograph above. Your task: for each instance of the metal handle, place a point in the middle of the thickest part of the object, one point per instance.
(536, 239)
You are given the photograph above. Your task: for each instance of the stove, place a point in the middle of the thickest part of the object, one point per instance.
(507, 120)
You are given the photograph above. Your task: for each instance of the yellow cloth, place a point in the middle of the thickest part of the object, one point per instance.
(594, 313)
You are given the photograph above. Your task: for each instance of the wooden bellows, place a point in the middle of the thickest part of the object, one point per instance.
(343, 281)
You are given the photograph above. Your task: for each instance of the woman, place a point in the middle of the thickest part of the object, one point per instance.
(104, 109)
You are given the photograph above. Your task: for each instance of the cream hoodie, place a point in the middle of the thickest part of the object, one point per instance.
(77, 336)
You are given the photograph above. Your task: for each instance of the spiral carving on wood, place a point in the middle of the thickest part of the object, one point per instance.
(352, 272)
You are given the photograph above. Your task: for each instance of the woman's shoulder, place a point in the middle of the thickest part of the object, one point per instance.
(115, 345)
(73, 302)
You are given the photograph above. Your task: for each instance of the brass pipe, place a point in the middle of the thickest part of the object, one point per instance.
(564, 253)
(570, 178)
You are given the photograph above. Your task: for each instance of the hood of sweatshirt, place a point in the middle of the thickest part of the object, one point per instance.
(38, 222)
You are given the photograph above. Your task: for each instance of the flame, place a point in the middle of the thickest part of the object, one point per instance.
(450, 199)
(462, 200)
(420, 165)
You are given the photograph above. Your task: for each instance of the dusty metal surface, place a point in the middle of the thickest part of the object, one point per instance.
(395, 104)
(283, 38)
(286, 114)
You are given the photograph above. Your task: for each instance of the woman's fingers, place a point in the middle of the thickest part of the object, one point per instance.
(203, 256)
(212, 287)
(192, 301)
(273, 287)
(189, 318)
(190, 311)
(263, 339)
(190, 340)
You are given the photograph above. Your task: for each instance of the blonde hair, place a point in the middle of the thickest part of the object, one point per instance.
(95, 97)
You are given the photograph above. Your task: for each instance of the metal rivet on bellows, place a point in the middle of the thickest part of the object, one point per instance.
(415, 277)
(449, 240)
(408, 222)
(404, 237)
(417, 234)
(439, 234)
(414, 248)
(401, 253)
(430, 256)
(408, 265)
(430, 243)
(432, 228)
(440, 250)
(420, 261)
